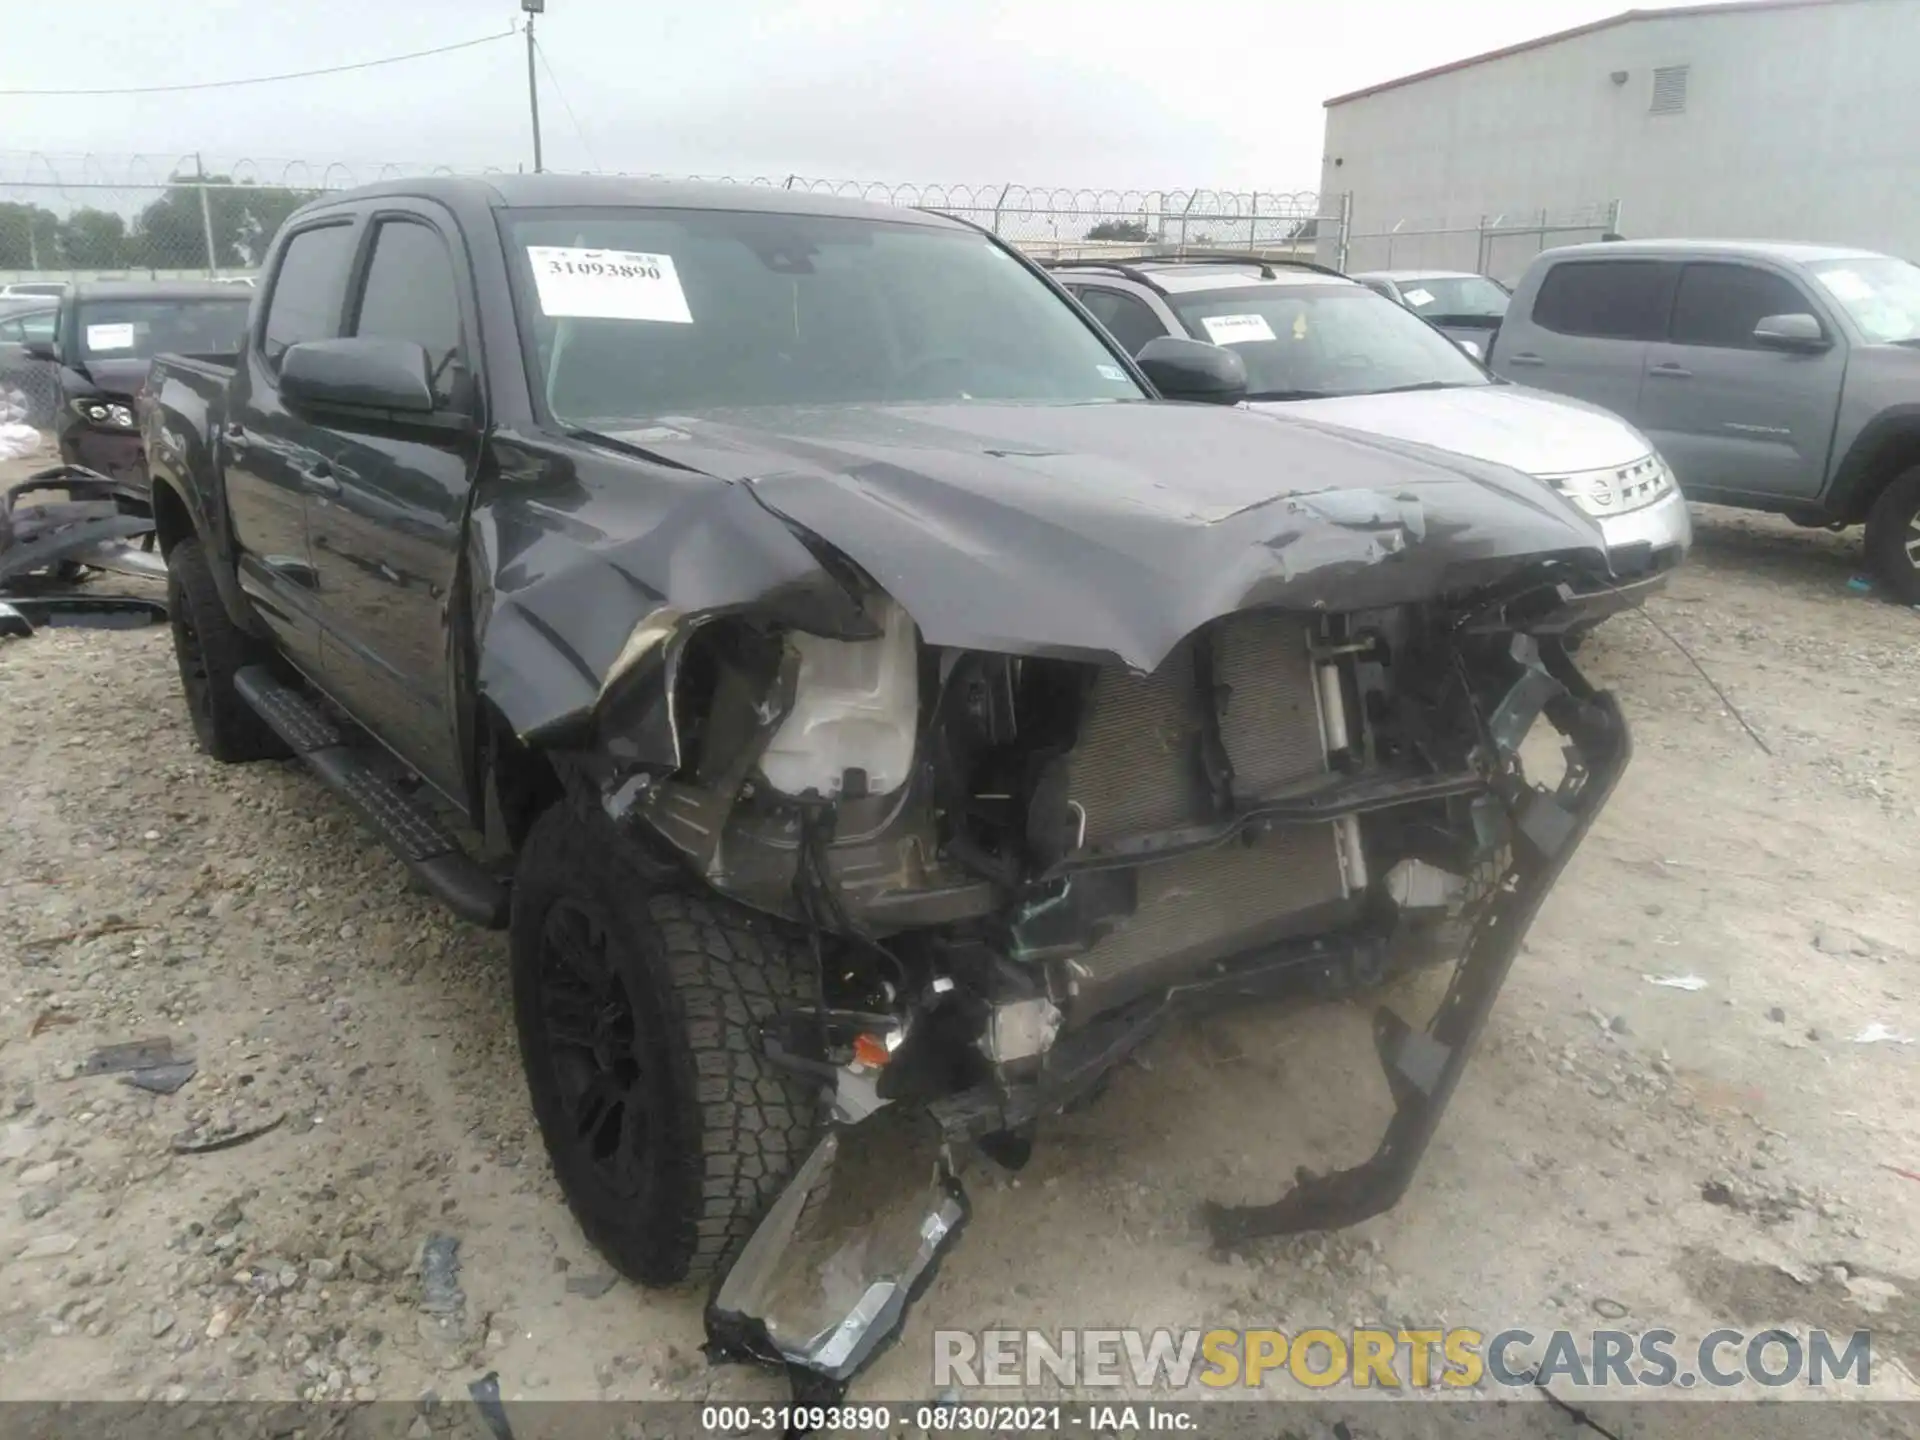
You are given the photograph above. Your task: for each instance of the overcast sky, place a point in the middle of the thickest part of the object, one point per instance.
(1081, 93)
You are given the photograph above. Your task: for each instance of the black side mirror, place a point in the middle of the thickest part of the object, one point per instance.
(1791, 332)
(366, 374)
(1194, 370)
(41, 350)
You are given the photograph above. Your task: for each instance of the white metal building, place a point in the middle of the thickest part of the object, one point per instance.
(1759, 119)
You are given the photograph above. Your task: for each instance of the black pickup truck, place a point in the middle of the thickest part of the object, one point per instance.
(858, 686)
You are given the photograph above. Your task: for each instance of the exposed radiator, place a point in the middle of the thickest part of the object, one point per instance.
(1134, 771)
(1203, 907)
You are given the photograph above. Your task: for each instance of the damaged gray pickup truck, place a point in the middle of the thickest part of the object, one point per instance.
(873, 703)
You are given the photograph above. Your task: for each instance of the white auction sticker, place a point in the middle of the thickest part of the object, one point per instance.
(1237, 329)
(109, 337)
(1417, 298)
(608, 284)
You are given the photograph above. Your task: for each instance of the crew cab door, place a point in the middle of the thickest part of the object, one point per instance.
(1728, 414)
(1586, 330)
(270, 454)
(386, 527)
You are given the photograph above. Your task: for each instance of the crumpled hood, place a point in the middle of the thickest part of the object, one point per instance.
(1110, 532)
(1526, 430)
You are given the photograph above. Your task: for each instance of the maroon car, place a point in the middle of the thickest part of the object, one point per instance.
(108, 334)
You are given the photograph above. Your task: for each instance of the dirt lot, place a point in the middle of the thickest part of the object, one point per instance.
(1620, 1153)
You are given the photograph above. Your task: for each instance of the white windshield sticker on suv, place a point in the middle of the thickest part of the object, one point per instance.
(109, 337)
(1417, 298)
(1845, 285)
(1237, 329)
(608, 284)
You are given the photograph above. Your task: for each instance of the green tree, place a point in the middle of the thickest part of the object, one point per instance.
(1129, 230)
(93, 239)
(171, 233)
(29, 237)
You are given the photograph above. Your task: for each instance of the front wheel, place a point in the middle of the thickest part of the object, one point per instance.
(1893, 537)
(639, 1012)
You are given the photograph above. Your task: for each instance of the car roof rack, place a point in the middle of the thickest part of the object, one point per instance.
(1129, 266)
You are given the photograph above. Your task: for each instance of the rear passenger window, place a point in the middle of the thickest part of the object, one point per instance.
(1606, 299)
(1128, 320)
(410, 295)
(308, 290)
(1720, 304)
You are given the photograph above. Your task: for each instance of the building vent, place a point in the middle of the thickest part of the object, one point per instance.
(1669, 89)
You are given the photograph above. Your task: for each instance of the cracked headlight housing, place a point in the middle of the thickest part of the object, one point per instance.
(1617, 489)
(107, 414)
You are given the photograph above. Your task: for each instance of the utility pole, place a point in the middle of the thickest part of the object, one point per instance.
(206, 216)
(533, 8)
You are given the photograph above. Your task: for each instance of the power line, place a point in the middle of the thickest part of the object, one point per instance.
(566, 105)
(270, 79)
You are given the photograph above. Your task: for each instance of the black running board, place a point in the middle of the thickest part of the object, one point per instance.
(408, 827)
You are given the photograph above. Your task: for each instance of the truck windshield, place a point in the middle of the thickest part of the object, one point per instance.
(1305, 342)
(1880, 293)
(1465, 297)
(640, 314)
(141, 329)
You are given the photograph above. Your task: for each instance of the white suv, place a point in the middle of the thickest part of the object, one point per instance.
(1319, 346)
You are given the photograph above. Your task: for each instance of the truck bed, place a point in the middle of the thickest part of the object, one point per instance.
(181, 409)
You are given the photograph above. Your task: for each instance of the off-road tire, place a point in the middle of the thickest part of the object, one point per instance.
(1892, 525)
(699, 975)
(211, 650)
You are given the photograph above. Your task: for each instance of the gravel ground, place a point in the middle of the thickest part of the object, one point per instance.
(1620, 1152)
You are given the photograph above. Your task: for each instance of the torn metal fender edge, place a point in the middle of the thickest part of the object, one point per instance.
(820, 1368)
(1423, 1067)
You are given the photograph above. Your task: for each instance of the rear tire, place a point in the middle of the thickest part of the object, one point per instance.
(638, 1012)
(1893, 537)
(211, 650)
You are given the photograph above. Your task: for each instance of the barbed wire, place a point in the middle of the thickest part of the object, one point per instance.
(98, 212)
(84, 171)
(206, 213)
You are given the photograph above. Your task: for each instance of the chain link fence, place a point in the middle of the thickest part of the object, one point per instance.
(87, 216)
(70, 217)
(1500, 245)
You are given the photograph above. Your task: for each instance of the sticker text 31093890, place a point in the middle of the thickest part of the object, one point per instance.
(110, 337)
(607, 284)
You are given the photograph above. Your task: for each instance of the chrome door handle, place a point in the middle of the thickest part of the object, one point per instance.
(320, 476)
(1525, 358)
(234, 437)
(1671, 372)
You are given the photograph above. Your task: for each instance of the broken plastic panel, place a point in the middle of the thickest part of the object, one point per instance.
(824, 1283)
